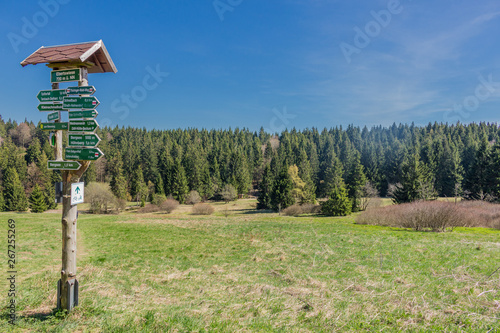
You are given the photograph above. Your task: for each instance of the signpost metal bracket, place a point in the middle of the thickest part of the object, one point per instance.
(59, 294)
(72, 296)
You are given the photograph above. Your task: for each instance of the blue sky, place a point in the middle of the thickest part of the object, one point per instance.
(275, 64)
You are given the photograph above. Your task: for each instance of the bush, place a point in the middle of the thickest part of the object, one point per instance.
(310, 208)
(338, 204)
(434, 215)
(229, 193)
(158, 199)
(485, 214)
(193, 198)
(169, 205)
(120, 204)
(294, 210)
(101, 199)
(149, 209)
(203, 209)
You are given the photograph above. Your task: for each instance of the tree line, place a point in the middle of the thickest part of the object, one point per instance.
(405, 161)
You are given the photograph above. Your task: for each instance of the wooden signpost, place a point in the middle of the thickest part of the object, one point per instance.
(91, 57)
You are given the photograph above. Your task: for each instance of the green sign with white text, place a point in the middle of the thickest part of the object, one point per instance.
(83, 140)
(54, 126)
(87, 90)
(63, 165)
(83, 125)
(89, 103)
(53, 116)
(65, 75)
(52, 95)
(50, 107)
(83, 154)
(82, 114)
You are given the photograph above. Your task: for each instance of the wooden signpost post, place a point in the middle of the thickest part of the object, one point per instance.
(73, 63)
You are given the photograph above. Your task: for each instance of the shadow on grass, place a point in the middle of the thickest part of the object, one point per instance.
(255, 211)
(38, 316)
(42, 316)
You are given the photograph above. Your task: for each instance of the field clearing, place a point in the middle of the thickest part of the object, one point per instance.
(255, 271)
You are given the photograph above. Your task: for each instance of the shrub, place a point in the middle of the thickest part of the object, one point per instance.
(120, 204)
(338, 204)
(149, 209)
(101, 199)
(158, 199)
(433, 215)
(203, 209)
(485, 214)
(193, 198)
(169, 205)
(368, 193)
(294, 210)
(229, 193)
(310, 208)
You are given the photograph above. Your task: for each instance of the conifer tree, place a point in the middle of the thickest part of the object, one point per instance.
(137, 184)
(37, 200)
(494, 172)
(90, 176)
(416, 181)
(179, 185)
(332, 177)
(477, 181)
(281, 195)
(265, 189)
(48, 184)
(118, 182)
(338, 203)
(2, 201)
(240, 173)
(15, 198)
(305, 171)
(33, 152)
(355, 180)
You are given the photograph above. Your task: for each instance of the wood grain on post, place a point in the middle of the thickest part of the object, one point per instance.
(69, 219)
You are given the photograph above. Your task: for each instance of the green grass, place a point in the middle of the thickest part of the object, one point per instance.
(255, 272)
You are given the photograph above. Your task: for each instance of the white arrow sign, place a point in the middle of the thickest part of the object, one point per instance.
(77, 190)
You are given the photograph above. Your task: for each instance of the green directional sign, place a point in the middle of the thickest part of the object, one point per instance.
(52, 95)
(63, 165)
(82, 114)
(89, 103)
(83, 140)
(50, 107)
(83, 154)
(53, 116)
(83, 125)
(54, 126)
(87, 90)
(65, 75)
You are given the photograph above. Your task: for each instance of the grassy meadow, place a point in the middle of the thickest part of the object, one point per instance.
(254, 272)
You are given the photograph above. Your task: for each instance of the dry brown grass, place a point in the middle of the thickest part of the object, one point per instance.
(434, 215)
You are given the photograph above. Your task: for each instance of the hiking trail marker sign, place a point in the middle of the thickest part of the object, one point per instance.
(72, 63)
(77, 190)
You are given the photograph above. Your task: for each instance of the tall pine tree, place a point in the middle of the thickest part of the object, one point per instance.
(14, 196)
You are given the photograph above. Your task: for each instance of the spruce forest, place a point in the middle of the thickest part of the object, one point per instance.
(406, 162)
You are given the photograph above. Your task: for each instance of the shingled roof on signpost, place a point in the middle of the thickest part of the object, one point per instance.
(91, 54)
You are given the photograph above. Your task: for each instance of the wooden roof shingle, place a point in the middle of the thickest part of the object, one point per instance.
(91, 53)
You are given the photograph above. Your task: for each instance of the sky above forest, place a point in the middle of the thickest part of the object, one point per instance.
(273, 64)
